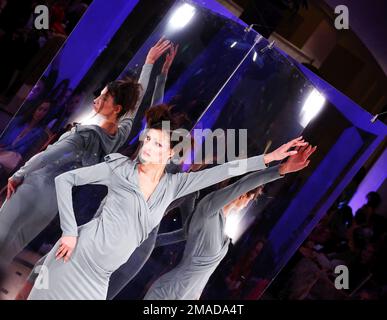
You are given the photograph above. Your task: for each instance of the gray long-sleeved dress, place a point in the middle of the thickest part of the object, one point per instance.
(206, 243)
(121, 277)
(31, 208)
(126, 219)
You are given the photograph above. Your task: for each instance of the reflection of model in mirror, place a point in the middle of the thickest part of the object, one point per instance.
(207, 243)
(81, 262)
(31, 198)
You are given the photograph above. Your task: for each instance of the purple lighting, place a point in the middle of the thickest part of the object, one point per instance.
(373, 180)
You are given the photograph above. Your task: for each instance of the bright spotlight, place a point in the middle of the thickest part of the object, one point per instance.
(231, 228)
(312, 106)
(182, 16)
(255, 56)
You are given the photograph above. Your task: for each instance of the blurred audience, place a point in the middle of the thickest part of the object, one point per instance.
(24, 136)
(358, 242)
(26, 51)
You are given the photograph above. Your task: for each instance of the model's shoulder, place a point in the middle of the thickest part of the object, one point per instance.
(117, 157)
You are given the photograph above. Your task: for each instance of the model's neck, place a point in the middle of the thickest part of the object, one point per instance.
(227, 209)
(110, 126)
(152, 171)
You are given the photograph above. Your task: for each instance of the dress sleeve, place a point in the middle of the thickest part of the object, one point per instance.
(185, 183)
(167, 238)
(97, 174)
(61, 151)
(158, 92)
(216, 200)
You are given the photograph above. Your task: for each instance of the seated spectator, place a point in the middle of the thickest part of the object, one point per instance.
(23, 136)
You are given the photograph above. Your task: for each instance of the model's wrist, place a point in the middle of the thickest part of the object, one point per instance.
(282, 170)
(267, 158)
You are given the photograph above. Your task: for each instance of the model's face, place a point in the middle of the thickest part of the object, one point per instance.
(104, 104)
(41, 111)
(156, 147)
(242, 202)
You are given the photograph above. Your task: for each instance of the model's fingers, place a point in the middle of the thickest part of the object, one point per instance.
(160, 40)
(303, 148)
(309, 152)
(10, 189)
(291, 153)
(165, 44)
(175, 51)
(165, 41)
(305, 151)
(306, 164)
(8, 192)
(68, 255)
(60, 250)
(162, 50)
(299, 143)
(295, 140)
(292, 143)
(61, 254)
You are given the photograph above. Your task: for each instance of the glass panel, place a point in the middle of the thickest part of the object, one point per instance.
(225, 77)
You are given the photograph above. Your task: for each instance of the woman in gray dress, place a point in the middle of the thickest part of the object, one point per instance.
(81, 262)
(207, 243)
(30, 208)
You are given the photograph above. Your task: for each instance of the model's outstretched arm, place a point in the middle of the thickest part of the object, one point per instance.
(216, 200)
(62, 151)
(167, 238)
(153, 55)
(185, 183)
(158, 93)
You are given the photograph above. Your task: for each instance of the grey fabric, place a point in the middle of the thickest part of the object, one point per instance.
(128, 271)
(125, 273)
(206, 243)
(107, 242)
(31, 208)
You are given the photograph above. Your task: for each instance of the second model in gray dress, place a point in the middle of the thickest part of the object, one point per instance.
(31, 208)
(125, 221)
(207, 244)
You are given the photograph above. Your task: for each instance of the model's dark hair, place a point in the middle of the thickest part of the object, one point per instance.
(157, 114)
(125, 92)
